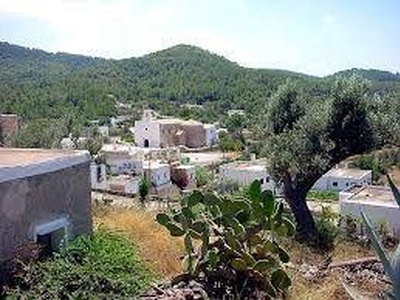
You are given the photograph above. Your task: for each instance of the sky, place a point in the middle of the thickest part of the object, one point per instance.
(317, 37)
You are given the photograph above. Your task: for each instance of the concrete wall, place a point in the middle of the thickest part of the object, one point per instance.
(32, 201)
(158, 175)
(147, 130)
(124, 165)
(168, 135)
(378, 213)
(195, 135)
(341, 183)
(98, 176)
(211, 136)
(246, 177)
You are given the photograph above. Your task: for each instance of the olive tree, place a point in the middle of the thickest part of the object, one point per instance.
(306, 137)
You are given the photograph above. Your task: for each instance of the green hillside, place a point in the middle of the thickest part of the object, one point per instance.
(37, 84)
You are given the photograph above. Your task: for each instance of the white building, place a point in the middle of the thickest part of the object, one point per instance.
(124, 184)
(211, 135)
(98, 176)
(377, 202)
(171, 132)
(245, 172)
(157, 173)
(122, 159)
(339, 179)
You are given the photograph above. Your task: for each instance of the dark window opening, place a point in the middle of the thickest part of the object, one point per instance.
(334, 183)
(50, 243)
(262, 180)
(146, 143)
(99, 174)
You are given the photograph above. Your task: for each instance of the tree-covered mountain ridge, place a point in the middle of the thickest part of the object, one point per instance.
(35, 83)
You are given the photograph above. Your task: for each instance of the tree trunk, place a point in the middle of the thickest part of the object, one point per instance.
(296, 198)
(306, 229)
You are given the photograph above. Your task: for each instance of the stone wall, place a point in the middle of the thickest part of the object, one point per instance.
(28, 202)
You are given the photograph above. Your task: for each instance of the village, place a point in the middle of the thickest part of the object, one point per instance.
(46, 195)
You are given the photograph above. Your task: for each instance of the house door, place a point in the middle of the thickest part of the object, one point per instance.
(146, 143)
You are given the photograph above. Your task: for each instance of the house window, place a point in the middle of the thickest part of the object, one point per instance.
(267, 179)
(334, 183)
(262, 181)
(146, 128)
(51, 236)
(99, 177)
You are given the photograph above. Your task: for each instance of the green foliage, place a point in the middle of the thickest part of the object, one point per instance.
(327, 226)
(227, 142)
(102, 266)
(308, 136)
(237, 237)
(203, 176)
(379, 162)
(323, 196)
(144, 187)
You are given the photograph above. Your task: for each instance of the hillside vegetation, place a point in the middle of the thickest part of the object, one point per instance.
(38, 84)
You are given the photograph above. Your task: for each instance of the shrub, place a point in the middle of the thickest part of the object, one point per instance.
(327, 227)
(104, 265)
(238, 253)
(144, 187)
(203, 176)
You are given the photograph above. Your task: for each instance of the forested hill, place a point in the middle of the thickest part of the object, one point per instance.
(35, 83)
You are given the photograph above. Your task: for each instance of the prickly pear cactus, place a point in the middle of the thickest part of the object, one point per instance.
(236, 248)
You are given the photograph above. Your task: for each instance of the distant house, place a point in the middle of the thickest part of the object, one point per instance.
(170, 132)
(122, 159)
(245, 172)
(339, 179)
(157, 173)
(377, 202)
(44, 198)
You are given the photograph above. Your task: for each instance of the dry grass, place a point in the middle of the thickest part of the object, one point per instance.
(327, 287)
(155, 244)
(163, 252)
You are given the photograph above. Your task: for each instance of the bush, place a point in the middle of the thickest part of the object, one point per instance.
(144, 187)
(104, 265)
(203, 176)
(327, 227)
(237, 253)
(324, 196)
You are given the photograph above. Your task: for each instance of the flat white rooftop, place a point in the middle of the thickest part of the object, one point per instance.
(371, 195)
(347, 173)
(19, 163)
(253, 165)
(153, 164)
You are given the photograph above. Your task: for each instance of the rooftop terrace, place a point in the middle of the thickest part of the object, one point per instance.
(348, 173)
(18, 163)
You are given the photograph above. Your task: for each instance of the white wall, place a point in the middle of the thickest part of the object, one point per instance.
(246, 177)
(211, 136)
(132, 187)
(159, 174)
(147, 129)
(124, 165)
(98, 176)
(340, 183)
(378, 213)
